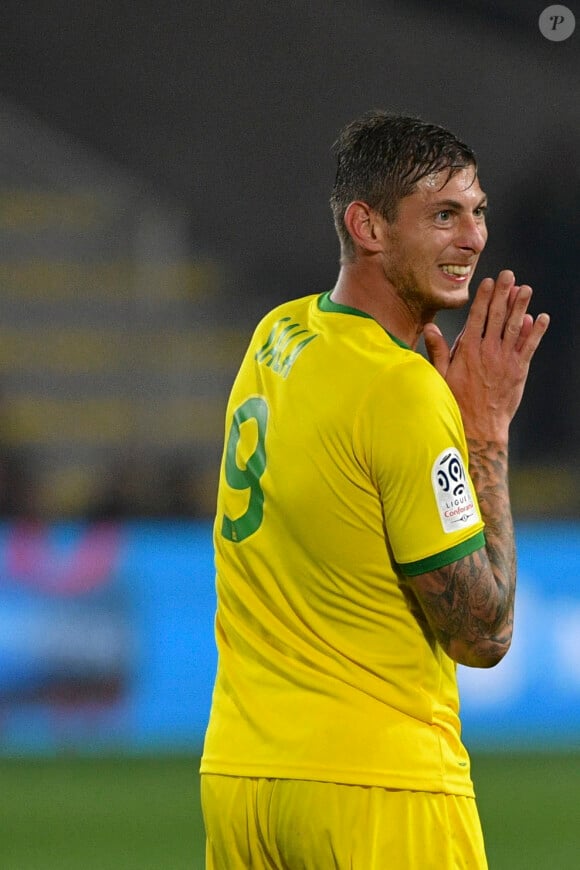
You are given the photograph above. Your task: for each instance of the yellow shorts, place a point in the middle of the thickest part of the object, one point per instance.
(299, 825)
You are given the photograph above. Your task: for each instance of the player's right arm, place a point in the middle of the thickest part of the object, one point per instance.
(469, 604)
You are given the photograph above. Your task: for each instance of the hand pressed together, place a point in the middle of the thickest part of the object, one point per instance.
(488, 365)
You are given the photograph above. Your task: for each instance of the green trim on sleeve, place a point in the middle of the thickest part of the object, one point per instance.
(325, 303)
(446, 557)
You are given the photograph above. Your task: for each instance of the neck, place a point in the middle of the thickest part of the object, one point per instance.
(362, 288)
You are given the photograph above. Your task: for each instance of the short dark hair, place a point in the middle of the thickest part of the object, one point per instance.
(382, 156)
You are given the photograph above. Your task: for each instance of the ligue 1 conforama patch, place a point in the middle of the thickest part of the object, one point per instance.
(452, 492)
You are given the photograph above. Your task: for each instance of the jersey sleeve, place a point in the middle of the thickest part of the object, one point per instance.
(410, 436)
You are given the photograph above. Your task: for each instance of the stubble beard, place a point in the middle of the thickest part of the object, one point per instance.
(419, 297)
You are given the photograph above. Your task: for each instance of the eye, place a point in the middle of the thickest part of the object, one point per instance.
(480, 211)
(443, 216)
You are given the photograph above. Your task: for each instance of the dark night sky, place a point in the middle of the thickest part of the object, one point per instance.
(231, 109)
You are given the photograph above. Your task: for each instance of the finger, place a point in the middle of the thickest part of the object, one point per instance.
(527, 325)
(515, 317)
(512, 297)
(436, 347)
(498, 306)
(477, 317)
(456, 344)
(531, 342)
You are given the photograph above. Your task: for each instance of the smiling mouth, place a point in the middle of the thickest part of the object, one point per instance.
(460, 271)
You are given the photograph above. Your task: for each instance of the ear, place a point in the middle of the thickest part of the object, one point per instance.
(364, 226)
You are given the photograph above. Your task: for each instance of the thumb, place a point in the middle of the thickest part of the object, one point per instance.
(436, 347)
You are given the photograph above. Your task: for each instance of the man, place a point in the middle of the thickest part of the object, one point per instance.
(364, 541)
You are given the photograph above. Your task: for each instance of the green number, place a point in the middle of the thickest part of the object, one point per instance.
(248, 477)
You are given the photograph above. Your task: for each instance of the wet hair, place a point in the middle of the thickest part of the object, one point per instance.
(380, 159)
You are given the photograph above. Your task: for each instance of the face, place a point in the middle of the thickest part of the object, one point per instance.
(433, 245)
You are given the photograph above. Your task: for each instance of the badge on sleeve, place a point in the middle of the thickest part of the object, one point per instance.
(455, 501)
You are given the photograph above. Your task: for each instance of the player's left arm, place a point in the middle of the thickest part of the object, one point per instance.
(469, 603)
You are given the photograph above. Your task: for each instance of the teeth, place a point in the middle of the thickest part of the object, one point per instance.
(456, 270)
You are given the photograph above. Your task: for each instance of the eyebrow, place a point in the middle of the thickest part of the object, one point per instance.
(457, 206)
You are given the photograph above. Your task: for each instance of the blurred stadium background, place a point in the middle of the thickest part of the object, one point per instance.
(164, 177)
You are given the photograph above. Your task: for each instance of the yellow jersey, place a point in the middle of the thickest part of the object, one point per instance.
(345, 468)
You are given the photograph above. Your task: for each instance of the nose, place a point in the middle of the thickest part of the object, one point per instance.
(472, 234)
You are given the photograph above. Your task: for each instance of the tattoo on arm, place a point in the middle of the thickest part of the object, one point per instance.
(488, 465)
(469, 604)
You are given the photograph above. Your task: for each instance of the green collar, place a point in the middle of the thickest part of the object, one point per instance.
(325, 303)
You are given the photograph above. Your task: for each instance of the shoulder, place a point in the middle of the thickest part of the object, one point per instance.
(408, 403)
(291, 309)
(410, 378)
